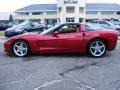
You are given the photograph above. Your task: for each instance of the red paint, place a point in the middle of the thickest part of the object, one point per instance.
(65, 43)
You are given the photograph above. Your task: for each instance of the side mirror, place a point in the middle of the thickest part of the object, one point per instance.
(55, 34)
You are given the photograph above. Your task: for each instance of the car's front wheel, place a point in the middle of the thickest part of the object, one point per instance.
(21, 48)
(97, 48)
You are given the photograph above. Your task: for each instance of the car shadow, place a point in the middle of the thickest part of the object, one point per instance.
(56, 55)
(63, 55)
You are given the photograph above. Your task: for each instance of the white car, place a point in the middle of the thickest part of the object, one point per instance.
(106, 24)
(115, 21)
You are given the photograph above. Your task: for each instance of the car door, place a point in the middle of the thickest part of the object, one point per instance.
(63, 41)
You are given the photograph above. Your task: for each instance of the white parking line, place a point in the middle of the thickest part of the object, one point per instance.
(81, 86)
(47, 84)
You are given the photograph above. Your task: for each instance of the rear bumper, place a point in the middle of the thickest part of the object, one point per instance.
(113, 43)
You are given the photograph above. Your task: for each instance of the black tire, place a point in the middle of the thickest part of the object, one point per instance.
(95, 51)
(25, 46)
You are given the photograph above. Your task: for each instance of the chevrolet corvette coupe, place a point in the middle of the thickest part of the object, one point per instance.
(64, 38)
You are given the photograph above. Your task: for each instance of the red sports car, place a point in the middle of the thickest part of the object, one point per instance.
(64, 38)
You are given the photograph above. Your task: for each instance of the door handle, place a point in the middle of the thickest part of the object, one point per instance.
(83, 34)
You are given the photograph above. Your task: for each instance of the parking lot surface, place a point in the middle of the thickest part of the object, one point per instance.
(60, 71)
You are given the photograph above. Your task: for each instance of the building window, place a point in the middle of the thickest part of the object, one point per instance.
(107, 12)
(81, 9)
(70, 19)
(118, 13)
(51, 21)
(37, 13)
(90, 20)
(59, 9)
(80, 20)
(23, 13)
(70, 9)
(35, 20)
(51, 12)
(91, 12)
(106, 19)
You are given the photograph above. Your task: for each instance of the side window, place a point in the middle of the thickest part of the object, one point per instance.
(69, 29)
(102, 22)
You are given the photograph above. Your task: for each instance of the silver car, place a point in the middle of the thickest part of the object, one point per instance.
(106, 24)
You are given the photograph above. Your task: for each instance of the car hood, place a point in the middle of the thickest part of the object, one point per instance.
(27, 35)
(14, 28)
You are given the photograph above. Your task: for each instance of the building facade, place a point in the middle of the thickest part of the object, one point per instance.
(68, 11)
(63, 11)
(105, 11)
(71, 10)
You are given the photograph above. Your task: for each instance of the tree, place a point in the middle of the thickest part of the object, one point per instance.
(11, 18)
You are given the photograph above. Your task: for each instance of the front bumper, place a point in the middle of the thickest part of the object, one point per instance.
(7, 47)
(11, 34)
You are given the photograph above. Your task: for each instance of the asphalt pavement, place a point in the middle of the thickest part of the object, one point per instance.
(60, 71)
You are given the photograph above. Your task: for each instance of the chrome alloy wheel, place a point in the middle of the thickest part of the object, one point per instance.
(20, 48)
(97, 48)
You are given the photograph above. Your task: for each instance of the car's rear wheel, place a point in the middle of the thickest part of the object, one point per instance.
(97, 48)
(21, 48)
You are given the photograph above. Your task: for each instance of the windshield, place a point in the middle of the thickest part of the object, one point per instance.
(24, 23)
(50, 30)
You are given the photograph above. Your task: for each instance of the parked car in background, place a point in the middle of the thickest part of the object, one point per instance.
(49, 26)
(4, 26)
(115, 21)
(64, 38)
(106, 24)
(26, 26)
(0, 26)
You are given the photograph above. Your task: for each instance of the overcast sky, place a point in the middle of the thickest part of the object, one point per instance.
(12, 5)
